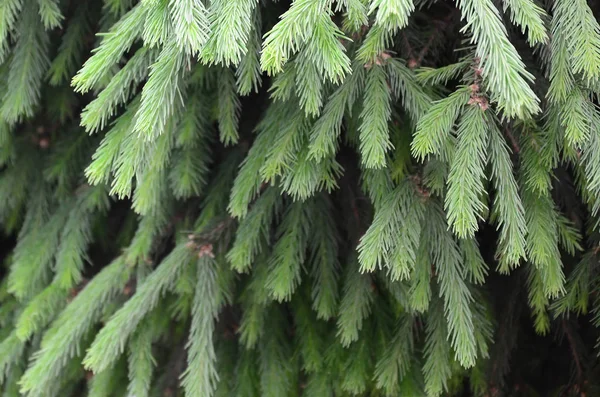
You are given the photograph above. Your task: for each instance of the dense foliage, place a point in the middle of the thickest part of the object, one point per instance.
(299, 198)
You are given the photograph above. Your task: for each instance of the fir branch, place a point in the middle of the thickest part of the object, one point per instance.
(248, 180)
(309, 337)
(190, 24)
(160, 93)
(114, 43)
(475, 267)
(542, 242)
(306, 22)
(503, 71)
(435, 126)
(142, 244)
(189, 172)
(447, 259)
(76, 236)
(105, 383)
(309, 84)
(151, 189)
(530, 17)
(285, 146)
(576, 117)
(34, 254)
(229, 108)
(96, 114)
(247, 374)
(465, 181)
(437, 366)
(325, 266)
(284, 83)
(355, 306)
(40, 311)
(507, 202)
(325, 50)
(375, 116)
(50, 13)
(231, 23)
(28, 65)
(357, 367)
(70, 51)
(577, 296)
(561, 76)
(392, 240)
(538, 154)
(326, 130)
(538, 300)
(105, 157)
(116, 8)
(255, 299)
(11, 350)
(200, 377)
(591, 161)
(391, 16)
(393, 366)
(304, 177)
(288, 254)
(163, 88)
(248, 72)
(377, 184)
(276, 363)
(9, 12)
(391, 13)
(110, 341)
(356, 14)
(420, 293)
(131, 161)
(71, 326)
(404, 85)
(66, 160)
(157, 27)
(569, 236)
(253, 230)
(582, 35)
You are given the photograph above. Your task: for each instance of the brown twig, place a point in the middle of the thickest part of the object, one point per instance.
(571, 340)
(407, 44)
(441, 26)
(424, 50)
(513, 141)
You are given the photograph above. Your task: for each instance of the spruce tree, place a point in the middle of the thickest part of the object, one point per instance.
(210, 198)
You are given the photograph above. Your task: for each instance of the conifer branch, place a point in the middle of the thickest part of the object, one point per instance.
(508, 81)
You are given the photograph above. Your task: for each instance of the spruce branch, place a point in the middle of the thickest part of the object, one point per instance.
(190, 24)
(28, 65)
(231, 23)
(465, 181)
(530, 17)
(157, 27)
(376, 114)
(160, 94)
(50, 13)
(355, 305)
(200, 377)
(114, 43)
(435, 126)
(507, 80)
(582, 34)
(507, 203)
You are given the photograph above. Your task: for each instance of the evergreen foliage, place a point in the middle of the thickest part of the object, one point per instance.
(316, 198)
